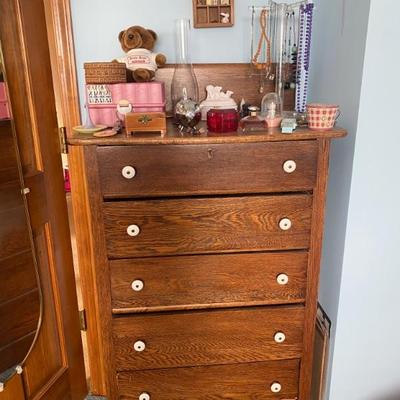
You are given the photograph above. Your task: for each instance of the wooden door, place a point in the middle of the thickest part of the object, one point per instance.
(55, 368)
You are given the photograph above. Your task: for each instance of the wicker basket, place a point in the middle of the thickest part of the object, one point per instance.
(105, 72)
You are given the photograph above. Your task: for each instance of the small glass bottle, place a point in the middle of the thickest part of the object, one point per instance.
(253, 122)
(184, 79)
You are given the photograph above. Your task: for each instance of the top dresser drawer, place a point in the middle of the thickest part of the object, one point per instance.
(177, 170)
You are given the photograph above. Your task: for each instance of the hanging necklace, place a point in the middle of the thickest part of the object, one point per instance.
(303, 56)
(263, 38)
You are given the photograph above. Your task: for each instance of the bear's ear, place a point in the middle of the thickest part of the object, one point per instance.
(121, 34)
(152, 33)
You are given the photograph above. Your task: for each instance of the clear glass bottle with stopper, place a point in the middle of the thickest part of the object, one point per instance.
(184, 82)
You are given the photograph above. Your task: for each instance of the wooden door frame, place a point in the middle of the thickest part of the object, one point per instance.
(62, 54)
(34, 117)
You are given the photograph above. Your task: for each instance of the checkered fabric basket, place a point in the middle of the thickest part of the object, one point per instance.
(322, 116)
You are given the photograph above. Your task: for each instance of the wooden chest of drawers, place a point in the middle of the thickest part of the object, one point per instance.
(199, 260)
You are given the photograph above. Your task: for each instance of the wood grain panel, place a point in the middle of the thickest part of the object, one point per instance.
(234, 382)
(19, 317)
(14, 353)
(207, 281)
(93, 268)
(207, 337)
(8, 158)
(313, 270)
(207, 225)
(234, 77)
(207, 169)
(48, 343)
(174, 136)
(14, 389)
(17, 275)
(14, 233)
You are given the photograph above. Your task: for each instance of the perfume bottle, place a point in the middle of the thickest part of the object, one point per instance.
(253, 122)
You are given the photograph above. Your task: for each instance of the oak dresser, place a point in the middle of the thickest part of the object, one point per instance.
(199, 260)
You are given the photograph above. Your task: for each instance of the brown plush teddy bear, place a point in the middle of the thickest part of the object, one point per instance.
(138, 44)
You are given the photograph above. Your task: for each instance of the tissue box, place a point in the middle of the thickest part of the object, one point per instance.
(102, 100)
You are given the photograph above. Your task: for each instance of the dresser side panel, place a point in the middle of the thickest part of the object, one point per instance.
(313, 272)
(93, 267)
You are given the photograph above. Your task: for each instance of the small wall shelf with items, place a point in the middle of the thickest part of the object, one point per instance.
(213, 13)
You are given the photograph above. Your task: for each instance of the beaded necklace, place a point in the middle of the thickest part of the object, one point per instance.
(303, 57)
(263, 38)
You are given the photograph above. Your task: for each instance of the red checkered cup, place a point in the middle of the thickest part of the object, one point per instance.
(322, 117)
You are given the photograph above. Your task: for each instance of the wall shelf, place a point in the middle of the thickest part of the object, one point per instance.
(207, 13)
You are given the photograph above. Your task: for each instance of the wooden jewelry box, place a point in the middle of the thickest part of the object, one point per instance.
(146, 122)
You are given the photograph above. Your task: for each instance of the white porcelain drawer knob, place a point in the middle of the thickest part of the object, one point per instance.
(144, 396)
(279, 337)
(276, 387)
(289, 166)
(139, 346)
(137, 285)
(285, 224)
(282, 279)
(133, 230)
(128, 172)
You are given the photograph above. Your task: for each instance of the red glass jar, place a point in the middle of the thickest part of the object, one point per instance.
(222, 121)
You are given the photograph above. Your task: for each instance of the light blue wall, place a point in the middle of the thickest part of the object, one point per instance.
(336, 76)
(97, 23)
(361, 267)
(367, 351)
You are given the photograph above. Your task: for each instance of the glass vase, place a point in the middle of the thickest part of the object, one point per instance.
(184, 82)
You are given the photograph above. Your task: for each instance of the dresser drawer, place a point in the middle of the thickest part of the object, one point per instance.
(207, 337)
(207, 225)
(255, 381)
(172, 283)
(142, 171)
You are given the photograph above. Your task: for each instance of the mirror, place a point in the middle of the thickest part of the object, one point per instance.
(20, 295)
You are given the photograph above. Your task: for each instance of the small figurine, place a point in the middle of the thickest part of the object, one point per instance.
(225, 18)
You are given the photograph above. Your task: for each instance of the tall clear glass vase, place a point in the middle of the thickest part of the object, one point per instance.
(184, 82)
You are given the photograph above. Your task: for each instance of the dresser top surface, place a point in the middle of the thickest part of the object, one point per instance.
(174, 136)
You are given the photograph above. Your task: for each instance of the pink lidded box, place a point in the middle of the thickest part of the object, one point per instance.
(103, 99)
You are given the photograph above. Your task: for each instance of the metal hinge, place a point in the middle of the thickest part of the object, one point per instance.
(82, 320)
(63, 140)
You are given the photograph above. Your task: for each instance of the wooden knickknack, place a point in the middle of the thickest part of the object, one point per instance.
(208, 13)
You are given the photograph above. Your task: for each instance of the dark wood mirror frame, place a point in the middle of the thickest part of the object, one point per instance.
(20, 291)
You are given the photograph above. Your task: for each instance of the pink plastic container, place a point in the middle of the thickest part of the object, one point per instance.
(103, 100)
(4, 106)
(4, 110)
(3, 96)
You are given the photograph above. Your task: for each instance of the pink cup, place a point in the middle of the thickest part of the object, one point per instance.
(322, 117)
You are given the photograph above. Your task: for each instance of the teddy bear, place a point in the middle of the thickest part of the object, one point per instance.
(138, 44)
